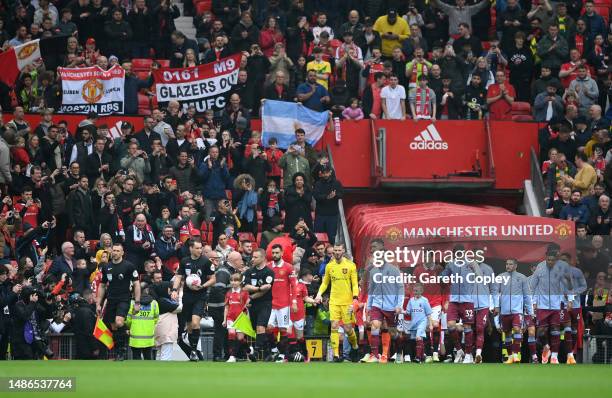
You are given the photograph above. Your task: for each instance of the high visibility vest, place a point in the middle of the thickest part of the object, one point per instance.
(142, 324)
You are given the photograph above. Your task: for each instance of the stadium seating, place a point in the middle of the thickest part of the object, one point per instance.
(141, 64)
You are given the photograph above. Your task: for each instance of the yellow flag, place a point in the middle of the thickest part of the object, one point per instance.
(243, 324)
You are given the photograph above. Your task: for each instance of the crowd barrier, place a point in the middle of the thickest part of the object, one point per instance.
(597, 349)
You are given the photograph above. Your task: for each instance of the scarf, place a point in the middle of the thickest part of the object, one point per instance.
(422, 106)
(185, 231)
(418, 69)
(247, 205)
(141, 237)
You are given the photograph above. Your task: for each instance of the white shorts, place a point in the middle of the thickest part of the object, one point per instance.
(298, 325)
(438, 315)
(279, 318)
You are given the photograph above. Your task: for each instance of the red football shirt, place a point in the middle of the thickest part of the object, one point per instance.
(235, 301)
(500, 109)
(301, 292)
(284, 285)
(434, 292)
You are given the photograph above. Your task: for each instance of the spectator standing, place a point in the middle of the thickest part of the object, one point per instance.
(500, 97)
(459, 14)
(393, 100)
(140, 22)
(553, 49)
(312, 94)
(586, 89)
(520, 62)
(422, 101)
(327, 191)
(392, 30)
(80, 209)
(585, 177)
(596, 25)
(118, 35)
(548, 105)
(215, 178)
(270, 35)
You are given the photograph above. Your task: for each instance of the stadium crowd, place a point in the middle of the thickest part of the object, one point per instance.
(120, 227)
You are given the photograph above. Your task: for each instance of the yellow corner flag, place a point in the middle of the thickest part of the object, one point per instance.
(102, 333)
(243, 324)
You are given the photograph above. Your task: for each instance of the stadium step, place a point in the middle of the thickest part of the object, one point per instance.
(185, 24)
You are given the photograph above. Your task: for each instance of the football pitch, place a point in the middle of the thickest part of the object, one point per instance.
(314, 380)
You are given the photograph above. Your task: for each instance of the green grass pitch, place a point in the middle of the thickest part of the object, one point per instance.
(314, 380)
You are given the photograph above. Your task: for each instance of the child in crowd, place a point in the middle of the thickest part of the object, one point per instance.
(353, 112)
(274, 154)
(552, 157)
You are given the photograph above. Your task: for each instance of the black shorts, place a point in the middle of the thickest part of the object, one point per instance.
(260, 313)
(193, 305)
(114, 309)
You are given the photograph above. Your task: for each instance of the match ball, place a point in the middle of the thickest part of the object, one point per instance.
(192, 281)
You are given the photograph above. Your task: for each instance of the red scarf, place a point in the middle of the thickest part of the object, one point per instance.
(422, 109)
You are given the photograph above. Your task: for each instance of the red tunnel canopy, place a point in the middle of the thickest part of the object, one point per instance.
(439, 225)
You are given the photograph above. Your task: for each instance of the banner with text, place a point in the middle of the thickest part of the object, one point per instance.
(204, 86)
(92, 89)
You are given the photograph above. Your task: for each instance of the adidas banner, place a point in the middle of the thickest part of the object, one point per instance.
(429, 139)
(92, 89)
(204, 86)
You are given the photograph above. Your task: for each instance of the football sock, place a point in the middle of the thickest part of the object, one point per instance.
(568, 340)
(454, 336)
(283, 345)
(508, 344)
(374, 342)
(435, 341)
(516, 343)
(335, 342)
(469, 339)
(352, 338)
(260, 343)
(194, 336)
(480, 335)
(419, 349)
(386, 342)
(555, 340)
(120, 336)
(531, 342)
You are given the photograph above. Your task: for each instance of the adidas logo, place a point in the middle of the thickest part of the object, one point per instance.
(429, 139)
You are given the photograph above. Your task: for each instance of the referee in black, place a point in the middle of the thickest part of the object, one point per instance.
(117, 278)
(258, 282)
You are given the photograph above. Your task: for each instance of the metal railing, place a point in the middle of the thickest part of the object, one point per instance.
(342, 235)
(537, 182)
(489, 138)
(597, 349)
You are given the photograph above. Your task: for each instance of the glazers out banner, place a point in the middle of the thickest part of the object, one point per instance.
(204, 86)
(92, 90)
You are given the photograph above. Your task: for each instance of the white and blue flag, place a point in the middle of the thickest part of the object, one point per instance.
(280, 120)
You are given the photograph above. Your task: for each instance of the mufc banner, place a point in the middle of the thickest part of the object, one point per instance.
(92, 90)
(204, 86)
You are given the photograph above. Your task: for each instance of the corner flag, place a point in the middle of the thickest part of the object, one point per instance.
(243, 324)
(102, 333)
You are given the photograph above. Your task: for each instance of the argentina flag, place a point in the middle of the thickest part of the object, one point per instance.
(280, 120)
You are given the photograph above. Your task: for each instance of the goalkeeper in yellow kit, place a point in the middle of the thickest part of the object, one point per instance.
(341, 274)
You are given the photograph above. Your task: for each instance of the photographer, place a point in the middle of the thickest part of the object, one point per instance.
(8, 297)
(83, 323)
(137, 160)
(27, 338)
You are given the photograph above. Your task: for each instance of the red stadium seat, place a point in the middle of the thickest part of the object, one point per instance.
(242, 236)
(322, 237)
(521, 108)
(522, 118)
(203, 6)
(165, 63)
(142, 75)
(141, 64)
(604, 11)
(143, 101)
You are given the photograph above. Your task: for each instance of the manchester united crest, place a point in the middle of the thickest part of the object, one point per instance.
(27, 50)
(393, 234)
(92, 91)
(563, 230)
